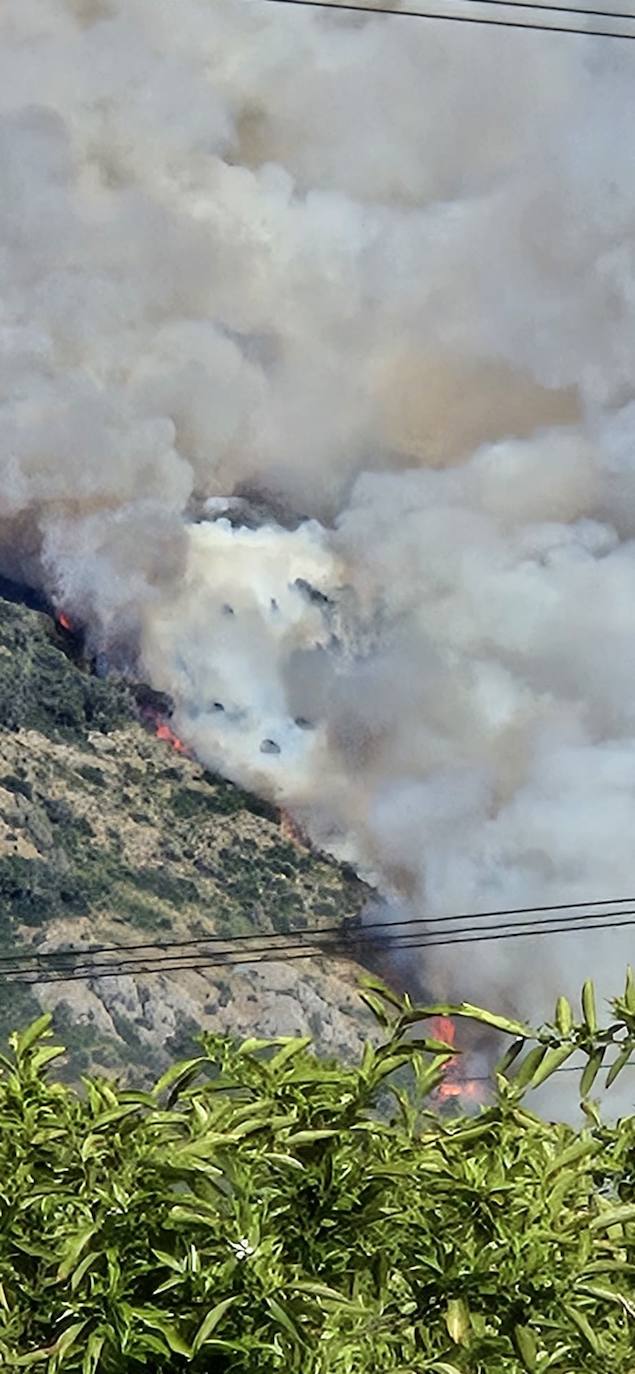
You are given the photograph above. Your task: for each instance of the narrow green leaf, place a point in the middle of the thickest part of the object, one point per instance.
(309, 1137)
(588, 1007)
(528, 1066)
(170, 1261)
(36, 1031)
(614, 1216)
(619, 1063)
(597, 1290)
(67, 1340)
(211, 1321)
(591, 1071)
(275, 1158)
(580, 1149)
(114, 1114)
(284, 1320)
(82, 1268)
(178, 1075)
(92, 1353)
(525, 1343)
(442, 1367)
(564, 1015)
(45, 1055)
(428, 1076)
(458, 1322)
(320, 1290)
(33, 1357)
(290, 1051)
(254, 1044)
(584, 1327)
(73, 1250)
(385, 1067)
(553, 1060)
(170, 1333)
(372, 984)
(629, 990)
(377, 1007)
(489, 1018)
(511, 1055)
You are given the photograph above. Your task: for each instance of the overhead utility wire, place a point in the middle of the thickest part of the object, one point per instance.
(567, 1068)
(548, 9)
(426, 921)
(283, 954)
(344, 941)
(458, 18)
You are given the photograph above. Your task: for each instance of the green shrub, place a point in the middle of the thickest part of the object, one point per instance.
(92, 774)
(32, 889)
(255, 1212)
(41, 690)
(160, 883)
(19, 786)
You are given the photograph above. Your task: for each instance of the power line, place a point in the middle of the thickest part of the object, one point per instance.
(282, 954)
(567, 1068)
(549, 9)
(320, 931)
(464, 18)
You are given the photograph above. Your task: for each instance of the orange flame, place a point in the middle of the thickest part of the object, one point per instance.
(292, 831)
(64, 621)
(443, 1028)
(453, 1085)
(164, 732)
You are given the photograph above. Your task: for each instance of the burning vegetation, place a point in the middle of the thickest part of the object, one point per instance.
(455, 1084)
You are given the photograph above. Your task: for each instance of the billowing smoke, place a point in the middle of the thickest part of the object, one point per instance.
(317, 398)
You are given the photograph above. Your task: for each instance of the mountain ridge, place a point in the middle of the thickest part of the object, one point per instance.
(109, 836)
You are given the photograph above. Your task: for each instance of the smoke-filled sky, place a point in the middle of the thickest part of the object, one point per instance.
(374, 279)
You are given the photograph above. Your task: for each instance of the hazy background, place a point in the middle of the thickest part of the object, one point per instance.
(376, 276)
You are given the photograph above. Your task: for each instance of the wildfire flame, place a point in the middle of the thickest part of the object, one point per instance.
(64, 621)
(453, 1085)
(164, 732)
(292, 831)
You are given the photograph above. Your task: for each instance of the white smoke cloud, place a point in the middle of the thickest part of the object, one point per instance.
(378, 277)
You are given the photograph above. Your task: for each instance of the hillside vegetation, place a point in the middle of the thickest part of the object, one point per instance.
(108, 836)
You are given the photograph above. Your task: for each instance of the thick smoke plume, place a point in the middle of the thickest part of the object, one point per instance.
(317, 344)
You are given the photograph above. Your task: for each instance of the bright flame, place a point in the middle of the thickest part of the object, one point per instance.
(292, 831)
(444, 1029)
(453, 1085)
(64, 621)
(164, 732)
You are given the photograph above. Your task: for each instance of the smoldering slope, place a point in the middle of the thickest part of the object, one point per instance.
(378, 276)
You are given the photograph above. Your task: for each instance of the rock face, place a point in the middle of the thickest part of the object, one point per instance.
(110, 836)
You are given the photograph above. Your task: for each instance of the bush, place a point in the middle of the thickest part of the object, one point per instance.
(41, 690)
(255, 1212)
(32, 889)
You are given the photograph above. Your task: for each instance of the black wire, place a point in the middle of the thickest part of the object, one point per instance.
(346, 941)
(347, 938)
(285, 954)
(567, 1068)
(556, 9)
(455, 18)
(327, 930)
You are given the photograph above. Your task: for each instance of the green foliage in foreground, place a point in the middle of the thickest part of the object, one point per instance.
(255, 1213)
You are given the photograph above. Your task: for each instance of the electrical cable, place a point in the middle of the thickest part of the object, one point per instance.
(548, 9)
(567, 1068)
(284, 954)
(456, 18)
(320, 931)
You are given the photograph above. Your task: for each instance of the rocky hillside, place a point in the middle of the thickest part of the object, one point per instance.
(109, 836)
